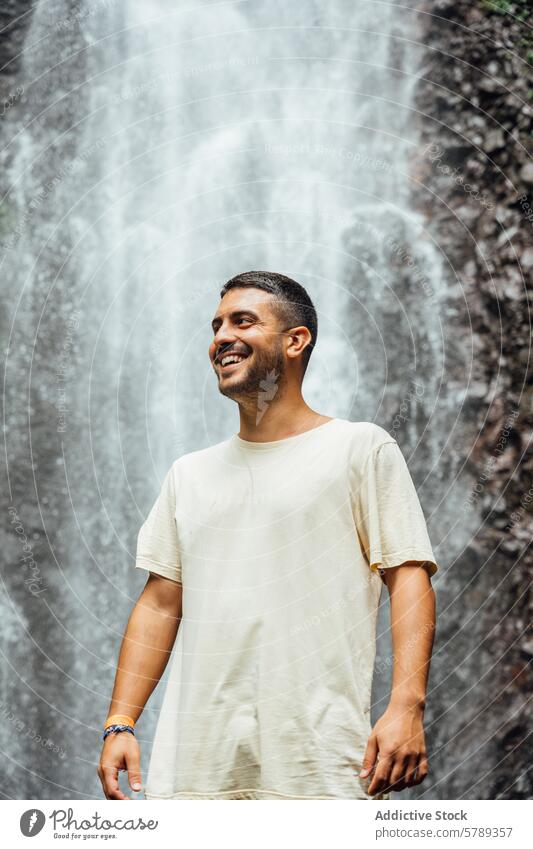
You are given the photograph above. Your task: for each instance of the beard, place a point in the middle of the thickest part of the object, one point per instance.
(259, 378)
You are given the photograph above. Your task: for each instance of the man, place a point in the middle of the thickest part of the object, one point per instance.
(267, 554)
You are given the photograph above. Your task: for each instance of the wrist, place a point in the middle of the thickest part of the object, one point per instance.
(408, 701)
(118, 729)
(119, 719)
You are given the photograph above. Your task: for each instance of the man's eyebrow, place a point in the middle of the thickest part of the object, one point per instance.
(234, 314)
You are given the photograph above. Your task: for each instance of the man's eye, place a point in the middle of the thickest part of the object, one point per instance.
(242, 318)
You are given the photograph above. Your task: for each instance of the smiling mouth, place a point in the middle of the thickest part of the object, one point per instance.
(233, 362)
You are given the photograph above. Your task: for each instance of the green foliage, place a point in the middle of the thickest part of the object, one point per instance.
(518, 9)
(503, 7)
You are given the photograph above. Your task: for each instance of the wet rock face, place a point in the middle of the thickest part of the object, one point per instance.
(476, 111)
(15, 17)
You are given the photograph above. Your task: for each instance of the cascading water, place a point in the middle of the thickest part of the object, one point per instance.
(160, 151)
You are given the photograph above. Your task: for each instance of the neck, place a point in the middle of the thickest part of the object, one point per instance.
(277, 420)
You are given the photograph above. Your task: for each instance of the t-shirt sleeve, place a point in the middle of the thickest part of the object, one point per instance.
(157, 541)
(388, 515)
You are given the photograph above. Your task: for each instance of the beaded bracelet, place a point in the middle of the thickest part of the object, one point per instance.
(115, 728)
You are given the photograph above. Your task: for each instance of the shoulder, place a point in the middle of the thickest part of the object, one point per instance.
(195, 460)
(367, 436)
(365, 441)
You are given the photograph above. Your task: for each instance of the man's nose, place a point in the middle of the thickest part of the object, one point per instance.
(222, 339)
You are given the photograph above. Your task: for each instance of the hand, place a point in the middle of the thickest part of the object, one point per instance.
(120, 752)
(396, 749)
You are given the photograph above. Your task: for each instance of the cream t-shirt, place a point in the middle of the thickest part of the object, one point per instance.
(278, 546)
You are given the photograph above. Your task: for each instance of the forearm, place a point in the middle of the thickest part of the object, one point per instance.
(412, 601)
(396, 749)
(144, 654)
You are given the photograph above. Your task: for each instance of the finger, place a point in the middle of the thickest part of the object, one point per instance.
(398, 775)
(111, 787)
(381, 775)
(411, 773)
(133, 765)
(404, 777)
(369, 759)
(101, 777)
(422, 770)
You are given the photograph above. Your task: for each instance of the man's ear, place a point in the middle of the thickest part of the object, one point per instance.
(298, 339)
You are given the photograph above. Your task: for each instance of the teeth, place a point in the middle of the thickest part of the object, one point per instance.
(231, 358)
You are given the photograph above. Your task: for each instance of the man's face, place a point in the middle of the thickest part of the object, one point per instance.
(245, 326)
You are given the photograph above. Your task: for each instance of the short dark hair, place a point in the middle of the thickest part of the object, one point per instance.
(293, 305)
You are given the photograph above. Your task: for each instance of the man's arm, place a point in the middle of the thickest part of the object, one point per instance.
(396, 748)
(144, 653)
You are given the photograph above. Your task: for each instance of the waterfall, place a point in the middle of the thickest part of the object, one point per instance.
(158, 151)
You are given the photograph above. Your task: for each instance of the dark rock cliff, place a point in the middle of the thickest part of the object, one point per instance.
(474, 182)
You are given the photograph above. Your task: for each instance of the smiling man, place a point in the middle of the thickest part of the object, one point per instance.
(267, 554)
